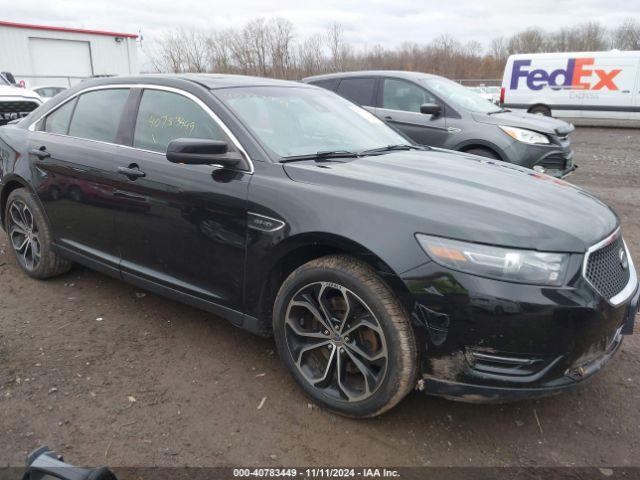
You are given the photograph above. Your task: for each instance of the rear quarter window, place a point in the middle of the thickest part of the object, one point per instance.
(330, 84)
(58, 121)
(97, 114)
(358, 90)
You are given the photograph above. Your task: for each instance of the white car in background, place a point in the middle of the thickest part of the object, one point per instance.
(488, 93)
(16, 102)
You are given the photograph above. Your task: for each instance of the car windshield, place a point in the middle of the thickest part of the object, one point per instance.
(3, 81)
(293, 121)
(459, 96)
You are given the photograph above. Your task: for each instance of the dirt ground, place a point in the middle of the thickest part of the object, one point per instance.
(105, 373)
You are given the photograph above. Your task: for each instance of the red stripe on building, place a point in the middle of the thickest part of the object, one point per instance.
(64, 29)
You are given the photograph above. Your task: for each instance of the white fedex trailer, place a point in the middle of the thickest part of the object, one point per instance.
(587, 85)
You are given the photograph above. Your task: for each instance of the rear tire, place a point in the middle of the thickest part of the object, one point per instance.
(344, 336)
(30, 237)
(540, 110)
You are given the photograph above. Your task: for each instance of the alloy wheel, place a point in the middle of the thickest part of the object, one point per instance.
(336, 342)
(24, 235)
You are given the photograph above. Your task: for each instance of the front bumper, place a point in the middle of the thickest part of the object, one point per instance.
(487, 341)
(556, 158)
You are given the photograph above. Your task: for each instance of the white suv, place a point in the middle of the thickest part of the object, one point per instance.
(16, 102)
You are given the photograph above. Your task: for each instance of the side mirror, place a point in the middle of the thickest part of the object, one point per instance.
(196, 151)
(430, 109)
(10, 78)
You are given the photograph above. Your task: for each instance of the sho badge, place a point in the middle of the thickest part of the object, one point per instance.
(264, 223)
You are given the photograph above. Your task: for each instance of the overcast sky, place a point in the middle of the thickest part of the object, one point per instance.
(366, 22)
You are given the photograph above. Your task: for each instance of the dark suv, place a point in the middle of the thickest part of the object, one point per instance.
(378, 265)
(435, 111)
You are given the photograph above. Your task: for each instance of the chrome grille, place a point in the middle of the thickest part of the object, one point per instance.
(15, 109)
(605, 269)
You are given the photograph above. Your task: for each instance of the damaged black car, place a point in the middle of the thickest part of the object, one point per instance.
(378, 265)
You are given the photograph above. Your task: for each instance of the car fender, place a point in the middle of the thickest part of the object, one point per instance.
(7, 185)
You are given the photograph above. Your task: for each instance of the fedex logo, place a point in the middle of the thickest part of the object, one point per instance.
(577, 75)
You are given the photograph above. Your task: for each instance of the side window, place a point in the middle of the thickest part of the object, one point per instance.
(165, 116)
(329, 84)
(405, 96)
(98, 113)
(58, 121)
(358, 90)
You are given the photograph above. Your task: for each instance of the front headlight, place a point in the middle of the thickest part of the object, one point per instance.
(512, 265)
(526, 136)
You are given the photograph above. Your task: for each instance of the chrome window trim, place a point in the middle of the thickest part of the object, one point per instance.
(144, 86)
(628, 290)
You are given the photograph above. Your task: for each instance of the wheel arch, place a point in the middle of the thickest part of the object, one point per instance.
(470, 145)
(11, 183)
(539, 104)
(302, 248)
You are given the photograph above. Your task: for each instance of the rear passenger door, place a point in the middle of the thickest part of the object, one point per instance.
(72, 154)
(400, 108)
(361, 91)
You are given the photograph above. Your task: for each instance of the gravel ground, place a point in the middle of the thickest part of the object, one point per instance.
(106, 374)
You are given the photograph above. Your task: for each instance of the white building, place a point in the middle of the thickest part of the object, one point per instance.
(40, 55)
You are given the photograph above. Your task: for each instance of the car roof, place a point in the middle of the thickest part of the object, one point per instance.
(208, 80)
(372, 73)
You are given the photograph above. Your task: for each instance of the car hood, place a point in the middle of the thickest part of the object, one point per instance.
(538, 123)
(7, 91)
(464, 197)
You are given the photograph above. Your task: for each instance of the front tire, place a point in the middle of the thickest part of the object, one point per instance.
(542, 110)
(30, 237)
(344, 336)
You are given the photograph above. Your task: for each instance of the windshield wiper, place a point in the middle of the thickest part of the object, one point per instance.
(502, 110)
(391, 148)
(321, 156)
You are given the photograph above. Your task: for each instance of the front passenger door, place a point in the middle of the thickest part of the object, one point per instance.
(182, 226)
(400, 108)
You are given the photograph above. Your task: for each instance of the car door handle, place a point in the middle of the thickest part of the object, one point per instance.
(388, 117)
(41, 153)
(132, 172)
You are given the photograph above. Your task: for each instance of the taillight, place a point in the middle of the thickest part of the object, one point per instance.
(502, 90)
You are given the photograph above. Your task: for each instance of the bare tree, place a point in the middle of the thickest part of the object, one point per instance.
(280, 40)
(531, 40)
(310, 57)
(256, 36)
(268, 47)
(197, 51)
(220, 54)
(339, 49)
(171, 53)
(627, 35)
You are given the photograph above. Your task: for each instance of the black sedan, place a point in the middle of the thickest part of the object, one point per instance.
(378, 265)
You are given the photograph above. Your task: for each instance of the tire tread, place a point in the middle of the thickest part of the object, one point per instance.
(408, 367)
(52, 264)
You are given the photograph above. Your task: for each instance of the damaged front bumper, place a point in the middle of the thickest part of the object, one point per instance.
(488, 341)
